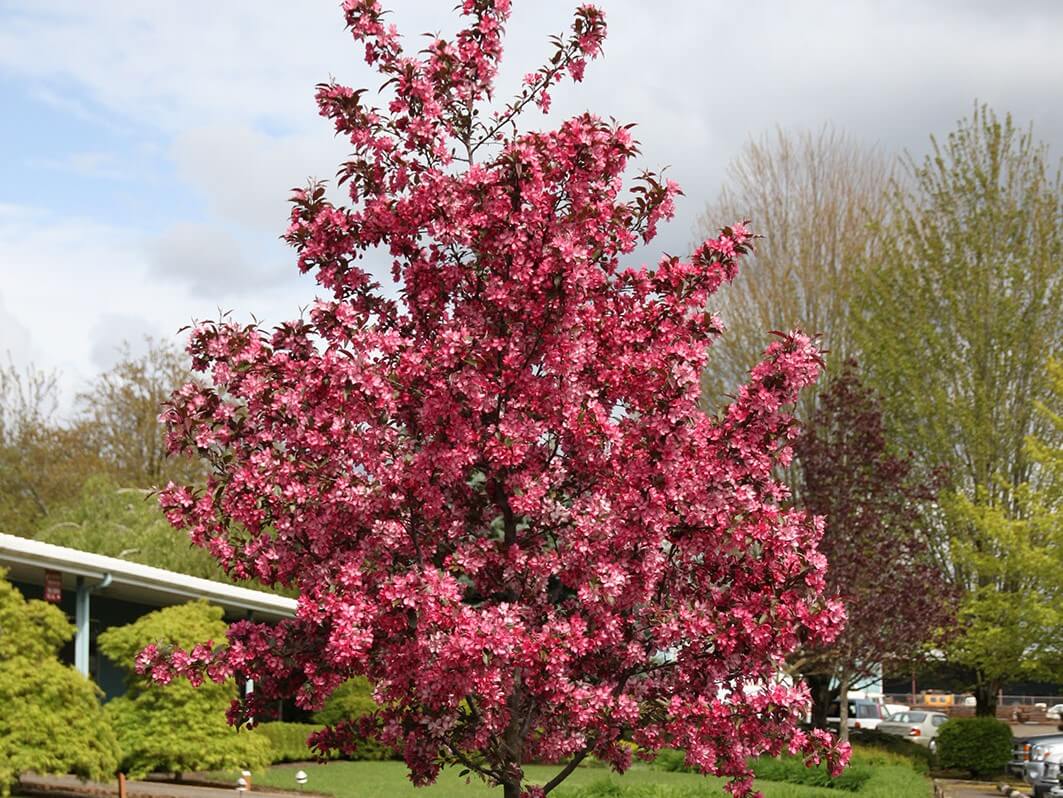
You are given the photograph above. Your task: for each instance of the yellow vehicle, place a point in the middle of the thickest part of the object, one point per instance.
(931, 698)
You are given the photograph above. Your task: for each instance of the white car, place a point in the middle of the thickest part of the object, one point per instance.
(1054, 712)
(919, 726)
(893, 709)
(864, 713)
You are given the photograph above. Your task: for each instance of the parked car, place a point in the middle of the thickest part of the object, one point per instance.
(893, 709)
(1022, 753)
(1054, 712)
(1041, 770)
(864, 713)
(919, 726)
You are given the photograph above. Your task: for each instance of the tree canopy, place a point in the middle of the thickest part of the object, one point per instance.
(52, 720)
(959, 313)
(877, 510)
(815, 196)
(501, 498)
(1013, 617)
(126, 523)
(46, 457)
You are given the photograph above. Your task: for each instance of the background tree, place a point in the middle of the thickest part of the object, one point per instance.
(125, 523)
(1013, 619)
(120, 416)
(896, 598)
(959, 312)
(46, 458)
(500, 499)
(815, 195)
(52, 721)
(42, 462)
(176, 727)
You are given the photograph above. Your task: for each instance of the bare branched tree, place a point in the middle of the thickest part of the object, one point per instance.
(120, 412)
(41, 461)
(814, 195)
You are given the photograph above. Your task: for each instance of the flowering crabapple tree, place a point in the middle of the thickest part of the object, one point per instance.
(498, 496)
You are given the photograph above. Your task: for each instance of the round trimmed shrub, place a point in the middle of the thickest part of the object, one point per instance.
(981, 746)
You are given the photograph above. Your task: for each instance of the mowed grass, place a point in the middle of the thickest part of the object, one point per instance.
(388, 780)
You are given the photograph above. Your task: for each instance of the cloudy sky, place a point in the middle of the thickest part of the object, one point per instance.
(148, 147)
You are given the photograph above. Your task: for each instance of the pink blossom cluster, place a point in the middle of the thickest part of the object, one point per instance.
(500, 497)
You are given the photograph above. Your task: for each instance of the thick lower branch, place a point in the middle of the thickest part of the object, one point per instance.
(566, 771)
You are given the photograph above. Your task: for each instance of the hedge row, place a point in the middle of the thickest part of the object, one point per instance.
(288, 742)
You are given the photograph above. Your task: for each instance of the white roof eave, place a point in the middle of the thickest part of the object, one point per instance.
(34, 553)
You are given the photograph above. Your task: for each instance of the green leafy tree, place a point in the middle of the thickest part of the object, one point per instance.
(51, 720)
(350, 701)
(959, 313)
(176, 727)
(1014, 616)
(45, 459)
(125, 523)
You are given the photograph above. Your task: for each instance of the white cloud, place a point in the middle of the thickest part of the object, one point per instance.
(104, 165)
(81, 287)
(246, 176)
(116, 333)
(219, 97)
(16, 343)
(209, 261)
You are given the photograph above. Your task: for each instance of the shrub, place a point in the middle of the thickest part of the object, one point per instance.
(792, 770)
(176, 727)
(890, 781)
(671, 759)
(606, 788)
(51, 720)
(789, 769)
(288, 740)
(873, 747)
(981, 746)
(350, 701)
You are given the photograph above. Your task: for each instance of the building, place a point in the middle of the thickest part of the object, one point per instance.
(99, 592)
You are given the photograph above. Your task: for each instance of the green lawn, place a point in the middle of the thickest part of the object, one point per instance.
(388, 779)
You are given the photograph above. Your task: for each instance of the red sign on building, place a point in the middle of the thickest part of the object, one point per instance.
(53, 586)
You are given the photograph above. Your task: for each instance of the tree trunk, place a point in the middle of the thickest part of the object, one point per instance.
(822, 696)
(985, 693)
(513, 739)
(843, 706)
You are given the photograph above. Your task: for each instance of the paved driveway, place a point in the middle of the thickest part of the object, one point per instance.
(951, 788)
(1021, 730)
(69, 785)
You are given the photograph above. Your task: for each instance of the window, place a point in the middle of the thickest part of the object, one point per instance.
(939, 720)
(916, 717)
